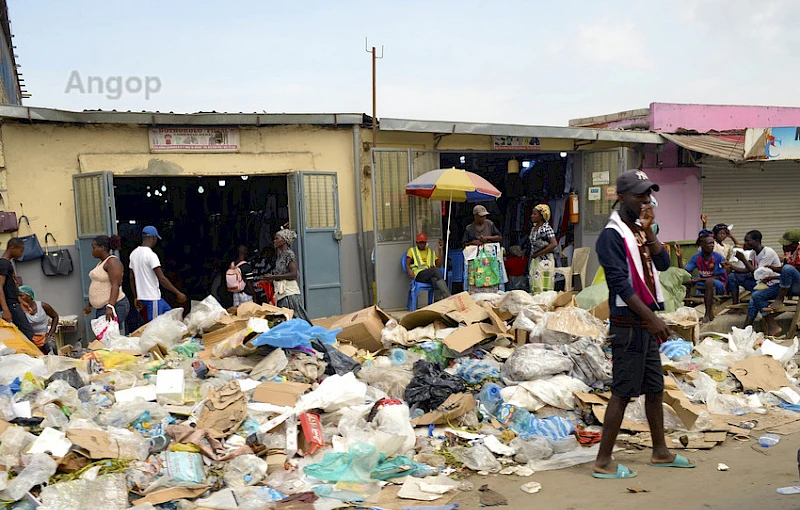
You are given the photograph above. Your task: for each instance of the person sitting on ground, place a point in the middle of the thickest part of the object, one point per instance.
(788, 281)
(39, 314)
(765, 258)
(711, 276)
(423, 265)
(516, 268)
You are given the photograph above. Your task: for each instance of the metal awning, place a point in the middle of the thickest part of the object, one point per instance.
(730, 147)
(469, 128)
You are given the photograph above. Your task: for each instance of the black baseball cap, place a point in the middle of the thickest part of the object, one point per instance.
(635, 181)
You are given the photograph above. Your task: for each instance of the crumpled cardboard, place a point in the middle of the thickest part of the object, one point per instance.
(223, 411)
(280, 393)
(173, 494)
(361, 329)
(456, 405)
(100, 445)
(458, 309)
(463, 339)
(251, 309)
(575, 321)
(760, 373)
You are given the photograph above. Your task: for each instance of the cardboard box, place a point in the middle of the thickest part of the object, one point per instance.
(279, 393)
(458, 309)
(565, 299)
(689, 331)
(601, 311)
(362, 328)
(310, 437)
(462, 339)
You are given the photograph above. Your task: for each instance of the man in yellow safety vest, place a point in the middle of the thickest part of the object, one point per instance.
(423, 265)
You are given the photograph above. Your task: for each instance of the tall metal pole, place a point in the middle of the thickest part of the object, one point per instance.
(375, 57)
(374, 101)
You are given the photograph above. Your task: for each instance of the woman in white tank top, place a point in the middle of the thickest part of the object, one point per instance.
(106, 298)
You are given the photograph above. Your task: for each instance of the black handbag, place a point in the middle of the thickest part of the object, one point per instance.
(33, 250)
(57, 262)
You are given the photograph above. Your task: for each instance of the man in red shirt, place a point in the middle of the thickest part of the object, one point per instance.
(517, 269)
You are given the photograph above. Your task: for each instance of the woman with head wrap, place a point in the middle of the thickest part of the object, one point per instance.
(284, 275)
(39, 314)
(543, 242)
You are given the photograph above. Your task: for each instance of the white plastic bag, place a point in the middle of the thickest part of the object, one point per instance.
(204, 315)
(166, 329)
(532, 361)
(103, 329)
(557, 391)
(333, 393)
(716, 403)
(394, 334)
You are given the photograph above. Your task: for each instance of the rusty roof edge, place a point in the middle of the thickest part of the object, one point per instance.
(470, 128)
(34, 114)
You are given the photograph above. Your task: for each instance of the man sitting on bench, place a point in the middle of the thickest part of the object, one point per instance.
(711, 276)
(789, 279)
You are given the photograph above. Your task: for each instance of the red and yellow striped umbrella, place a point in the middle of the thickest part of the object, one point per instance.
(452, 184)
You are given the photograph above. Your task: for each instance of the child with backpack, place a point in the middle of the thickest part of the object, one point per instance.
(239, 278)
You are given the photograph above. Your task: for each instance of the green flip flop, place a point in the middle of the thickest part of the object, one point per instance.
(679, 462)
(622, 472)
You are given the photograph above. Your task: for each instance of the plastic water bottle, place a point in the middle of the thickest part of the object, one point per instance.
(490, 398)
(398, 357)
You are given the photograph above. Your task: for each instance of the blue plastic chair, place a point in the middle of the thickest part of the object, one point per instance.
(456, 272)
(415, 288)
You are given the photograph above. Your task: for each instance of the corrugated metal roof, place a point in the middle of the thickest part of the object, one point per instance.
(469, 128)
(730, 147)
(183, 119)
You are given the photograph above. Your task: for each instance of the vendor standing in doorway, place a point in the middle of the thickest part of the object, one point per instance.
(631, 256)
(147, 277)
(543, 242)
(483, 270)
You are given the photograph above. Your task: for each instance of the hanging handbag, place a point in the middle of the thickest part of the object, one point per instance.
(56, 262)
(33, 250)
(8, 219)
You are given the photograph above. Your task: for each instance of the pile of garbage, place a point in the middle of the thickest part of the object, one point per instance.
(249, 408)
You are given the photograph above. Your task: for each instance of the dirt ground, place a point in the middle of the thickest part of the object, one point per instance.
(749, 484)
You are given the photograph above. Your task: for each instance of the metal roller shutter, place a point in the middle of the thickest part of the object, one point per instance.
(753, 196)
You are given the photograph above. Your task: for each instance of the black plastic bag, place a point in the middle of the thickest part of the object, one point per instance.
(70, 377)
(338, 362)
(431, 386)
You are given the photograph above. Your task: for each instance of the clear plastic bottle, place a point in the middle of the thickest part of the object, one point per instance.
(490, 398)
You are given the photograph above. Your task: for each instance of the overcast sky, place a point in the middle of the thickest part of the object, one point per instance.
(531, 62)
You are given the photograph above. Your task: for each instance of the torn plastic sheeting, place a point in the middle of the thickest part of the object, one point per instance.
(557, 391)
(590, 362)
(518, 396)
(38, 471)
(295, 333)
(676, 348)
(356, 465)
(429, 488)
(333, 393)
(111, 490)
(477, 458)
(15, 366)
(552, 427)
(580, 455)
(534, 361)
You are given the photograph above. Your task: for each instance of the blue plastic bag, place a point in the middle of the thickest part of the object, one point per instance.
(294, 334)
(475, 371)
(676, 348)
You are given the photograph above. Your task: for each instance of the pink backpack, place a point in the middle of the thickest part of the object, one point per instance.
(234, 279)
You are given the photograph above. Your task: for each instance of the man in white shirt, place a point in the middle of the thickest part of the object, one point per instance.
(766, 257)
(146, 275)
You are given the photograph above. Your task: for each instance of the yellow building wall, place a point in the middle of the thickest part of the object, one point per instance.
(40, 160)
